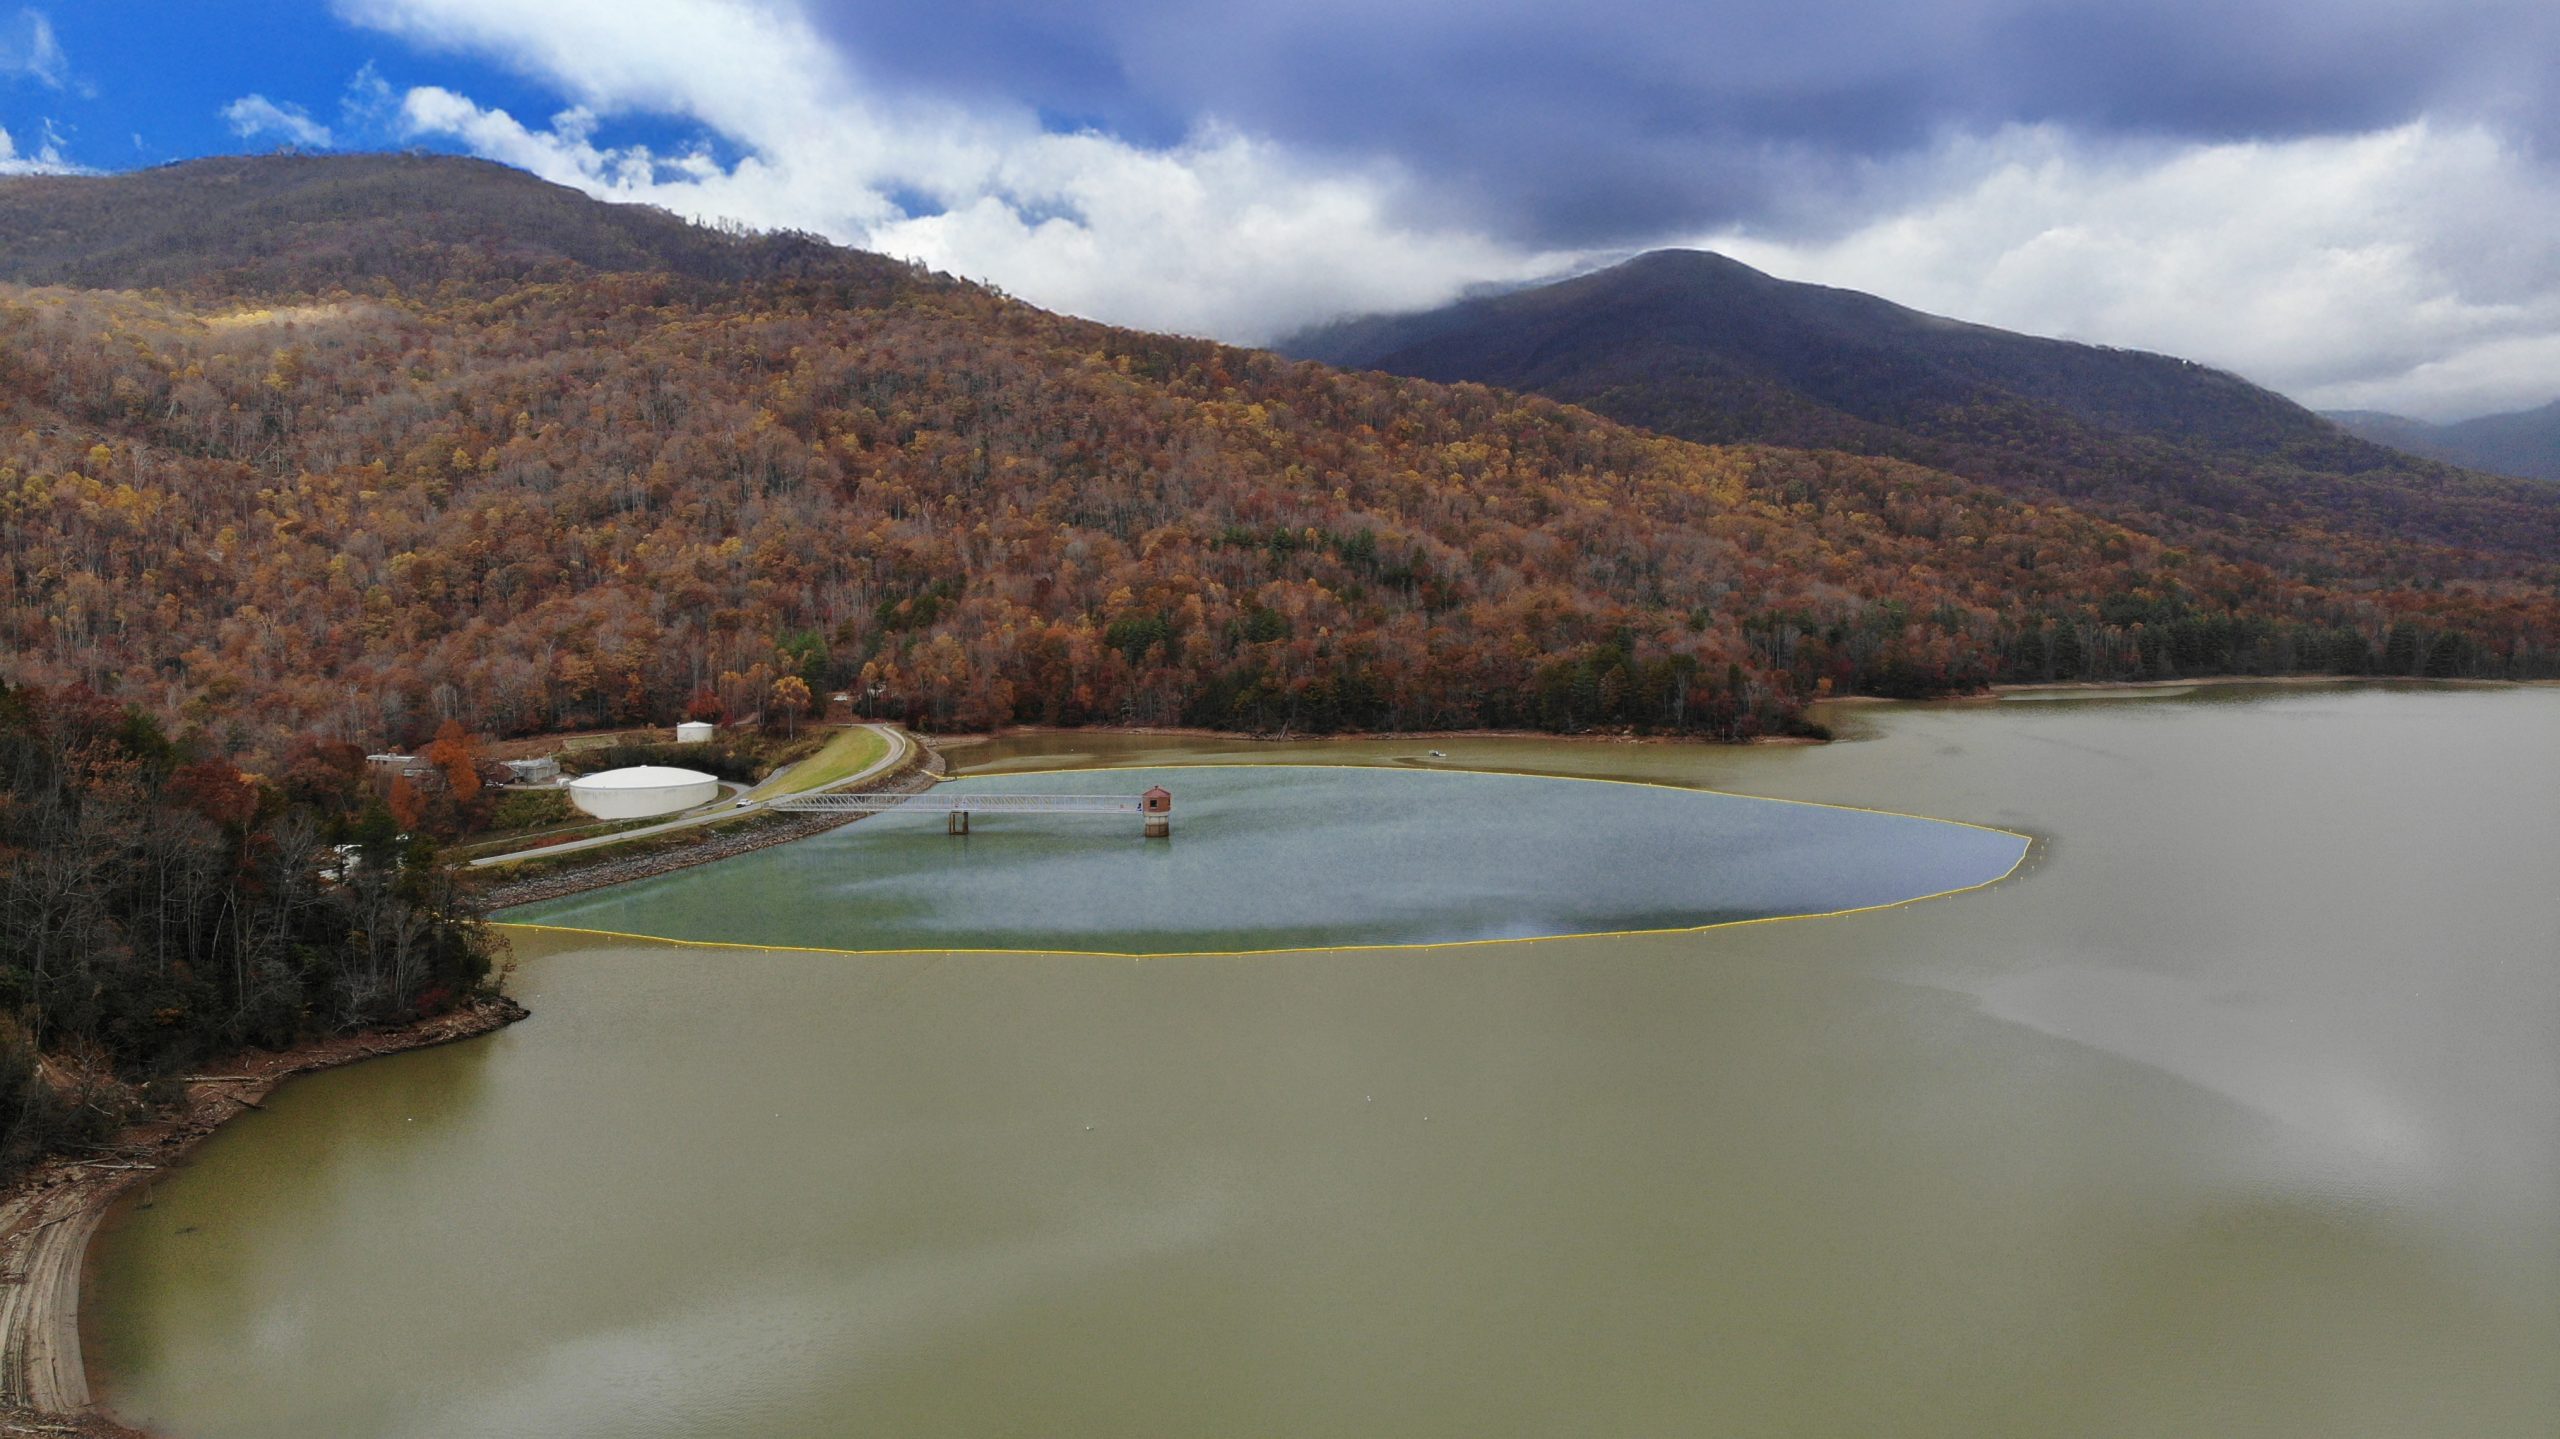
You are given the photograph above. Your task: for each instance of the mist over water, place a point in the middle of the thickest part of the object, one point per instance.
(2236, 1112)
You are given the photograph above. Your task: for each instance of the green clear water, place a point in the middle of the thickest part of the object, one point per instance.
(2235, 1113)
(1281, 857)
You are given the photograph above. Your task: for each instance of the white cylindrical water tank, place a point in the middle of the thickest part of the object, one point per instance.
(696, 732)
(642, 791)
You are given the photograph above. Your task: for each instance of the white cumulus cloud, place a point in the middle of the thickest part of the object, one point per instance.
(251, 116)
(2415, 268)
(47, 159)
(1218, 234)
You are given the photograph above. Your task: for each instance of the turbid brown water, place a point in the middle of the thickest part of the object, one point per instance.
(2236, 1113)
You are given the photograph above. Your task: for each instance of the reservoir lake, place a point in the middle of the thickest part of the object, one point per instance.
(1277, 857)
(2234, 1110)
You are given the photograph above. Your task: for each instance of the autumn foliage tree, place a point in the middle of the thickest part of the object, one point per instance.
(407, 803)
(163, 908)
(790, 701)
(456, 759)
(555, 496)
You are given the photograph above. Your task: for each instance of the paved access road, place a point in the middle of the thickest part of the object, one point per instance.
(899, 748)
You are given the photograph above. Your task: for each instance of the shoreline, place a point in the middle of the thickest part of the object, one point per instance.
(607, 866)
(1986, 694)
(1021, 731)
(2216, 681)
(49, 1214)
(1992, 692)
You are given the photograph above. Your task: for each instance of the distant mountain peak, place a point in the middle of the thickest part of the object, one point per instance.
(1702, 346)
(2524, 443)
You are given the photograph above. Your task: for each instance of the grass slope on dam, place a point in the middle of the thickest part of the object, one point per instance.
(1291, 857)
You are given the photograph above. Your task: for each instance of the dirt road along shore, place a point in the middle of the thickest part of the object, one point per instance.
(49, 1214)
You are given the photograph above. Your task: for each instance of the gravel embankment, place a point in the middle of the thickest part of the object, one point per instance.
(761, 831)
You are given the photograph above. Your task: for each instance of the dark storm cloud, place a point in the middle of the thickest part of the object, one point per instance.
(1579, 124)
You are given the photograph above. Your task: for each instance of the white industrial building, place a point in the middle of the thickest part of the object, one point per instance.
(696, 732)
(642, 791)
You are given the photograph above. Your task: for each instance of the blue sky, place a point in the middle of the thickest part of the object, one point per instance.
(144, 82)
(2357, 201)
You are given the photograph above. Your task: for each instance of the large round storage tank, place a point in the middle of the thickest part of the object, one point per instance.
(641, 791)
(696, 732)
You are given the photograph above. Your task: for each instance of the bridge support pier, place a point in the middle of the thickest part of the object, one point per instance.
(1154, 808)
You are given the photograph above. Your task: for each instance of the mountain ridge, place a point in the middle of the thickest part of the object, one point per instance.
(391, 467)
(299, 222)
(1704, 347)
(2523, 443)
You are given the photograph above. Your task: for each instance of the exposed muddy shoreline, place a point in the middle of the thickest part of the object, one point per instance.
(49, 1214)
(2220, 681)
(965, 741)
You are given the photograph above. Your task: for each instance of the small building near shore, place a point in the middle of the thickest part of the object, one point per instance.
(545, 770)
(642, 791)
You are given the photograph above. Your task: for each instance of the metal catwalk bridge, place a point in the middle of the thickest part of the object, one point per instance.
(1156, 805)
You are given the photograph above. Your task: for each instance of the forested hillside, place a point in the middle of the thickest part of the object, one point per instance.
(1701, 346)
(534, 476)
(163, 908)
(292, 224)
